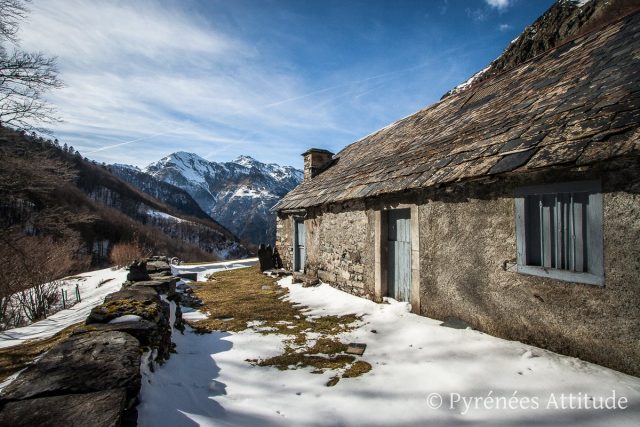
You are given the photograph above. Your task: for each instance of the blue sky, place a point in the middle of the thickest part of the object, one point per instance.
(264, 78)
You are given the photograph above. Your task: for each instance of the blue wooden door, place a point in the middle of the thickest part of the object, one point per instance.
(399, 248)
(299, 246)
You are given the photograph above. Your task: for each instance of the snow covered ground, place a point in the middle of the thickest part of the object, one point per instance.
(92, 293)
(423, 374)
(203, 270)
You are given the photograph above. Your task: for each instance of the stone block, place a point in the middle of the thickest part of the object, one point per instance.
(166, 285)
(97, 409)
(85, 363)
(158, 266)
(143, 302)
(147, 333)
(138, 271)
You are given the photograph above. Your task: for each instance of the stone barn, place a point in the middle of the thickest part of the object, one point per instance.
(513, 206)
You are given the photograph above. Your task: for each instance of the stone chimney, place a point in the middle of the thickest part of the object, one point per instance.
(315, 160)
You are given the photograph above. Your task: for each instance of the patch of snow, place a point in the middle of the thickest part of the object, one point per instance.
(421, 371)
(578, 3)
(92, 293)
(246, 161)
(158, 214)
(205, 269)
(471, 79)
(194, 315)
(126, 318)
(245, 191)
(125, 166)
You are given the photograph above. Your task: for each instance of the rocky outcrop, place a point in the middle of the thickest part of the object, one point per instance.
(92, 378)
(95, 361)
(238, 194)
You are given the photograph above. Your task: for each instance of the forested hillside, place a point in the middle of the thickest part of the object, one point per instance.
(51, 192)
(170, 194)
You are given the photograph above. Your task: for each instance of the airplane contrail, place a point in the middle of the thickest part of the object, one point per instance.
(107, 147)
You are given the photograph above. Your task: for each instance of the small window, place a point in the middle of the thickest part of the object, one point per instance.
(559, 231)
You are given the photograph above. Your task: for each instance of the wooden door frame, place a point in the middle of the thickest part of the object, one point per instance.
(381, 223)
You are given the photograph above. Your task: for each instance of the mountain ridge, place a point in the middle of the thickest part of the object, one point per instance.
(238, 194)
(98, 207)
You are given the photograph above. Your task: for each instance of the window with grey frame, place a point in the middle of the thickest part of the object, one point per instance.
(559, 231)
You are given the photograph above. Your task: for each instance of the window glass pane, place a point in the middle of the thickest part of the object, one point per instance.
(559, 231)
(532, 230)
(548, 230)
(556, 234)
(580, 208)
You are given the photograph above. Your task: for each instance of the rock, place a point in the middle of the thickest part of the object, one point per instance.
(85, 363)
(147, 333)
(190, 300)
(277, 273)
(179, 321)
(161, 275)
(143, 301)
(138, 271)
(265, 257)
(140, 301)
(158, 267)
(455, 323)
(166, 285)
(188, 276)
(139, 294)
(97, 409)
(305, 279)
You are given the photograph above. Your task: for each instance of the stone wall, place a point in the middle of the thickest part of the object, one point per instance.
(92, 378)
(468, 237)
(284, 239)
(339, 246)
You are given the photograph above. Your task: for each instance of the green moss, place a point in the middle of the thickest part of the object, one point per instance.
(333, 381)
(146, 309)
(358, 368)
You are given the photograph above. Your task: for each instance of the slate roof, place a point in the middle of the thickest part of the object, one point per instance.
(576, 104)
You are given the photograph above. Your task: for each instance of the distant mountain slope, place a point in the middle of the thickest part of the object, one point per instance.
(238, 194)
(102, 208)
(565, 19)
(170, 194)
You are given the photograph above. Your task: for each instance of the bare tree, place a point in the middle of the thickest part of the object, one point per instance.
(124, 254)
(32, 267)
(24, 77)
(11, 13)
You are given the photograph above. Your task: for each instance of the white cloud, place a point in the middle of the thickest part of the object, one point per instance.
(499, 4)
(147, 78)
(504, 27)
(150, 74)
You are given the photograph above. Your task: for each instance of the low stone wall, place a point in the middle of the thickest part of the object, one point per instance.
(92, 378)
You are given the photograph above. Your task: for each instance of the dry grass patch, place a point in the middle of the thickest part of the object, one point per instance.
(236, 297)
(15, 358)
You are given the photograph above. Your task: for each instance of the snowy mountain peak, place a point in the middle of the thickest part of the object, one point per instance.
(238, 194)
(185, 156)
(247, 161)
